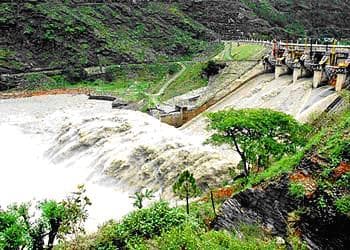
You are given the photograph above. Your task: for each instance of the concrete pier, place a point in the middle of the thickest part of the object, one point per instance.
(297, 73)
(318, 73)
(280, 70)
(341, 78)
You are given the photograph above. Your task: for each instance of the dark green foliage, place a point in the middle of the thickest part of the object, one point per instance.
(213, 68)
(74, 73)
(186, 187)
(258, 135)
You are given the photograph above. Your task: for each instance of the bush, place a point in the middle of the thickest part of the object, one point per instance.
(189, 236)
(38, 80)
(343, 204)
(297, 190)
(75, 74)
(174, 68)
(213, 68)
(141, 224)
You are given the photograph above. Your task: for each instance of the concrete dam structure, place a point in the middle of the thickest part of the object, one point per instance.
(298, 79)
(328, 64)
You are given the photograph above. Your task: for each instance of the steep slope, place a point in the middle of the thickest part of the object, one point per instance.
(306, 195)
(52, 34)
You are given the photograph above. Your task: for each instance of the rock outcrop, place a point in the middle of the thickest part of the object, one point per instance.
(272, 206)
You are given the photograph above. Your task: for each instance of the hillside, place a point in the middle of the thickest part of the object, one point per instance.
(52, 34)
(271, 18)
(304, 195)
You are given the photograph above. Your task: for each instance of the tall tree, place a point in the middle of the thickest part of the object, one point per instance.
(186, 187)
(258, 135)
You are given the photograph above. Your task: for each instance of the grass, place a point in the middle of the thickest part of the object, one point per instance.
(191, 79)
(247, 52)
(130, 82)
(244, 52)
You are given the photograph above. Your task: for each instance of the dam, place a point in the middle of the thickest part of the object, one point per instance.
(71, 140)
(298, 79)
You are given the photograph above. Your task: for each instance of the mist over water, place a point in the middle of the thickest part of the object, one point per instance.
(26, 175)
(51, 144)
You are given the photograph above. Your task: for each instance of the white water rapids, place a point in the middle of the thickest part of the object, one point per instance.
(51, 144)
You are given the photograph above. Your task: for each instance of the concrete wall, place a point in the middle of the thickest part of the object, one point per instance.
(179, 118)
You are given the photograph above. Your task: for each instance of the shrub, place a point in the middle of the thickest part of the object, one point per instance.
(189, 236)
(212, 68)
(343, 204)
(141, 224)
(173, 68)
(38, 80)
(297, 190)
(75, 73)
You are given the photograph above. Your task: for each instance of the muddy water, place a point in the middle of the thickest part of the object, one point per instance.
(51, 144)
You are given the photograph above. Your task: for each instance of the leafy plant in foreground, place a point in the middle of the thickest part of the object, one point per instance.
(139, 197)
(21, 230)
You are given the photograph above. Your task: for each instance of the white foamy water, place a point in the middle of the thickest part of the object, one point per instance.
(51, 144)
(26, 175)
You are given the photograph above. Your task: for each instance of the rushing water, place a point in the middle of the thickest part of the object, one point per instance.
(51, 144)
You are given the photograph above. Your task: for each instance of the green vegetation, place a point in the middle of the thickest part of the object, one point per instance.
(258, 135)
(104, 34)
(265, 10)
(139, 197)
(186, 187)
(162, 227)
(57, 220)
(8, 60)
(343, 204)
(243, 52)
(297, 190)
(247, 52)
(192, 78)
(191, 237)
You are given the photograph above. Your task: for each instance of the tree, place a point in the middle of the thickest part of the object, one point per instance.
(139, 197)
(20, 230)
(186, 187)
(258, 135)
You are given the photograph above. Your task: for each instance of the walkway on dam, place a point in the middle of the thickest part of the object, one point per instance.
(299, 100)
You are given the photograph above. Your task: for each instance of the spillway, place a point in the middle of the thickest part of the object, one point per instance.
(51, 144)
(297, 99)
